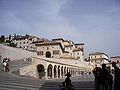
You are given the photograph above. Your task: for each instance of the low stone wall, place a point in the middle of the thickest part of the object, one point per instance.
(30, 70)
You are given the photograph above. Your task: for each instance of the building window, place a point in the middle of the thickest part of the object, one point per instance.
(95, 56)
(24, 42)
(78, 53)
(117, 61)
(82, 54)
(48, 54)
(47, 48)
(20, 42)
(56, 52)
(40, 53)
(91, 57)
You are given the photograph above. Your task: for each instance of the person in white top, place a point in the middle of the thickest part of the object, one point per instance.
(4, 66)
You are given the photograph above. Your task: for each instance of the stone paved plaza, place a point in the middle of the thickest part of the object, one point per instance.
(10, 81)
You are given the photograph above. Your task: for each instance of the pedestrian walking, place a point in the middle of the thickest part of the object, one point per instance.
(116, 76)
(109, 80)
(4, 66)
(7, 67)
(103, 77)
(96, 73)
(67, 83)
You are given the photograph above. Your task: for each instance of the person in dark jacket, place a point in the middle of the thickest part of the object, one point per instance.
(116, 76)
(103, 77)
(96, 73)
(68, 80)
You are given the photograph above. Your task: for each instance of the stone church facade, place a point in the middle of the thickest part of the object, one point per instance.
(55, 58)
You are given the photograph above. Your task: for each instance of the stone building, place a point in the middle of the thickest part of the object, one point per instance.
(27, 42)
(59, 48)
(98, 58)
(55, 58)
(116, 59)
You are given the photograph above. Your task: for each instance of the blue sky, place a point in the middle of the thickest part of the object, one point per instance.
(94, 22)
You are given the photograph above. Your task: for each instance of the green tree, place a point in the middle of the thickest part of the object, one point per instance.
(9, 37)
(7, 41)
(2, 39)
(13, 44)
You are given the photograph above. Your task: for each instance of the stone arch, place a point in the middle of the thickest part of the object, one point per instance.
(73, 72)
(49, 71)
(48, 54)
(58, 71)
(55, 71)
(62, 71)
(41, 70)
(70, 70)
(65, 71)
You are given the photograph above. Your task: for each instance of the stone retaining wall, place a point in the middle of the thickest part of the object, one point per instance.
(14, 53)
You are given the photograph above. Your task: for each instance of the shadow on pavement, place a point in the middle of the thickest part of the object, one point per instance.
(78, 85)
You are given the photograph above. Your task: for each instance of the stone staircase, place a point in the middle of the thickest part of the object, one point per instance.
(10, 81)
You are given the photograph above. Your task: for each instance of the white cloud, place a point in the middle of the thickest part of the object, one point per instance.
(43, 18)
(54, 24)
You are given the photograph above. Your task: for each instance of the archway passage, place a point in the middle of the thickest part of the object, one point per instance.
(67, 70)
(62, 71)
(49, 71)
(58, 71)
(41, 71)
(55, 71)
(48, 54)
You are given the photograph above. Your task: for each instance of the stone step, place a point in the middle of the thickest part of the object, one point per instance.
(21, 84)
(23, 87)
(6, 88)
(35, 85)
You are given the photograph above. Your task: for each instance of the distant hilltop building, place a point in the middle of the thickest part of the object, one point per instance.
(26, 42)
(98, 58)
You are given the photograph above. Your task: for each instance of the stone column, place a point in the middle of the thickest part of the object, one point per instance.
(52, 73)
(57, 72)
(60, 73)
(46, 74)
